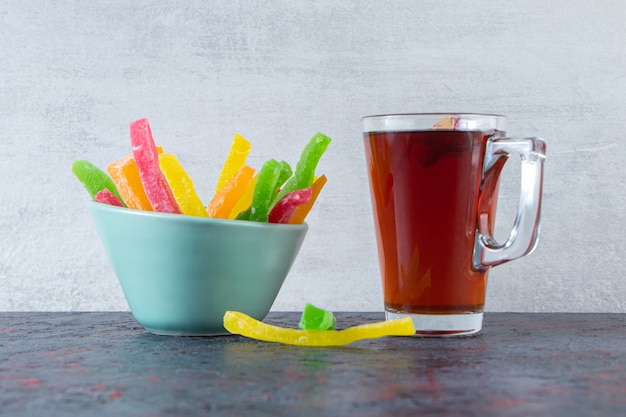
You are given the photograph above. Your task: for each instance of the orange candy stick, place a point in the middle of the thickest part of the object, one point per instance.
(303, 210)
(125, 175)
(236, 158)
(225, 200)
(246, 199)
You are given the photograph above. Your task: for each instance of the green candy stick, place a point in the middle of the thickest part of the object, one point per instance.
(263, 192)
(94, 179)
(285, 174)
(314, 318)
(305, 169)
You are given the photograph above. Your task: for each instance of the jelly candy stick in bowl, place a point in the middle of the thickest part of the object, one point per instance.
(242, 324)
(239, 150)
(303, 210)
(285, 173)
(263, 192)
(146, 156)
(94, 179)
(305, 169)
(107, 197)
(224, 200)
(245, 200)
(125, 175)
(181, 185)
(286, 206)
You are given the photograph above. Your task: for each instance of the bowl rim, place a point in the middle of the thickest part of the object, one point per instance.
(125, 211)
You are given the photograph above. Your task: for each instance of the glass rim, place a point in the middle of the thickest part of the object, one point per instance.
(434, 114)
(429, 121)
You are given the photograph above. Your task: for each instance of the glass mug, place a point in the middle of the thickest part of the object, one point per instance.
(434, 182)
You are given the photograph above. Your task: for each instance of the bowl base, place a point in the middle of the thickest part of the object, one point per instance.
(161, 332)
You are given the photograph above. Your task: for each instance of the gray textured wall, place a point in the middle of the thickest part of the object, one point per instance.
(75, 74)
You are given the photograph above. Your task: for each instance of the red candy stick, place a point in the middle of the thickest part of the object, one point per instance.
(286, 206)
(107, 197)
(146, 156)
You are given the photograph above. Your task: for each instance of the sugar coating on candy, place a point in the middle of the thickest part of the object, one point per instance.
(315, 318)
(285, 173)
(305, 168)
(93, 178)
(239, 150)
(286, 206)
(222, 204)
(242, 324)
(264, 190)
(181, 185)
(149, 181)
(147, 159)
(125, 175)
(107, 197)
(246, 199)
(303, 210)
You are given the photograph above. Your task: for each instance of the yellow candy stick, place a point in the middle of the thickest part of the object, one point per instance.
(246, 199)
(303, 210)
(181, 185)
(242, 324)
(236, 158)
(223, 202)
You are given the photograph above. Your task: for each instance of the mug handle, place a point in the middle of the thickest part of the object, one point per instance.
(523, 237)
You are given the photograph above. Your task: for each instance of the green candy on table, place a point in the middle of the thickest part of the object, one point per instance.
(305, 169)
(314, 318)
(94, 179)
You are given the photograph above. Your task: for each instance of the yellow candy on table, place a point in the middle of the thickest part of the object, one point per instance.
(239, 150)
(182, 186)
(244, 325)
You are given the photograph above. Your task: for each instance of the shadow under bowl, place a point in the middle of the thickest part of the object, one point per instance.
(180, 274)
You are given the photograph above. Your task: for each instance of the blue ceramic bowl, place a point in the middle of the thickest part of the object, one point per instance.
(180, 274)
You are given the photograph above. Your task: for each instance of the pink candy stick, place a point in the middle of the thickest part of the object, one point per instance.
(107, 197)
(286, 206)
(146, 157)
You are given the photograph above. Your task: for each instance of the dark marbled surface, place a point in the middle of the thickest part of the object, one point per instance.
(106, 364)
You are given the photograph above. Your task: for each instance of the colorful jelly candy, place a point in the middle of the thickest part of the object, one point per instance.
(264, 192)
(303, 210)
(305, 168)
(149, 180)
(314, 318)
(94, 179)
(146, 157)
(239, 150)
(125, 175)
(242, 324)
(285, 173)
(224, 200)
(246, 199)
(286, 206)
(107, 197)
(181, 185)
